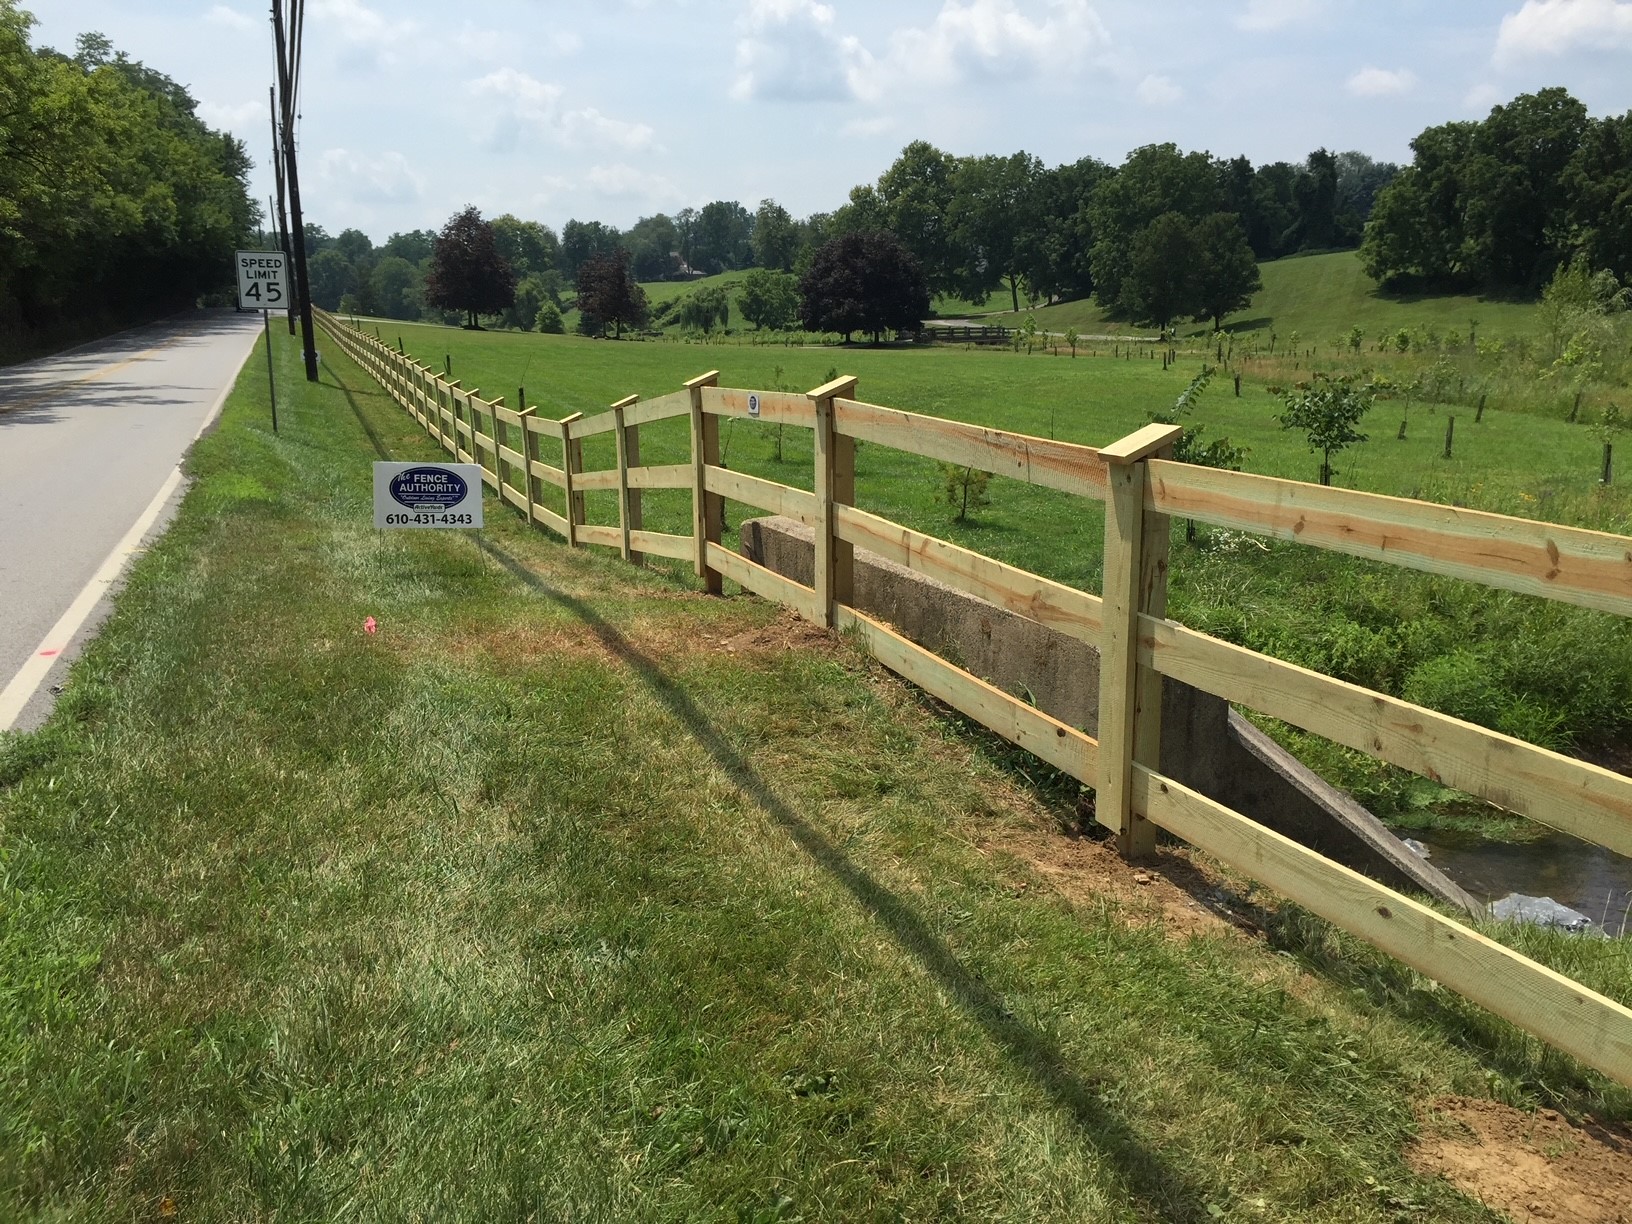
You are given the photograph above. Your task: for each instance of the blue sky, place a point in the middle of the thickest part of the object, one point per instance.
(622, 108)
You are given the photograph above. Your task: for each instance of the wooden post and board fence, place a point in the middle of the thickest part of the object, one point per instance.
(1143, 489)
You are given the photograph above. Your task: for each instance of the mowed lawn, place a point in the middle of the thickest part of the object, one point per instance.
(571, 893)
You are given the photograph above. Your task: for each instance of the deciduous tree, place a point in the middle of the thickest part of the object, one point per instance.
(1226, 273)
(608, 293)
(769, 299)
(467, 272)
(864, 282)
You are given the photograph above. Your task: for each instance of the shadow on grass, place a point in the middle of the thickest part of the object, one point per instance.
(1143, 1170)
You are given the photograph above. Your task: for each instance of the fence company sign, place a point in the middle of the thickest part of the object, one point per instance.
(427, 495)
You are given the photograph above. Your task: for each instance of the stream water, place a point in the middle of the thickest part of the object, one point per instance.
(1585, 877)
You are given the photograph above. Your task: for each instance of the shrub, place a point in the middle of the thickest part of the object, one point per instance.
(549, 320)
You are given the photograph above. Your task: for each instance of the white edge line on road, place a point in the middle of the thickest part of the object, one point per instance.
(17, 694)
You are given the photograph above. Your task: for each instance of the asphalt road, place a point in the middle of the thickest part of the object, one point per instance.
(89, 440)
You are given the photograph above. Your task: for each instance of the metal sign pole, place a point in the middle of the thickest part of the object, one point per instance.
(271, 383)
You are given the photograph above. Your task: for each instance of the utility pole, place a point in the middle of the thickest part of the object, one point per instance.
(280, 217)
(288, 54)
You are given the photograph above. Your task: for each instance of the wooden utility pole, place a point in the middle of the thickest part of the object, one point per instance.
(288, 55)
(280, 217)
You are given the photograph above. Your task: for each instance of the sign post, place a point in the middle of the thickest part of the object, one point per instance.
(263, 282)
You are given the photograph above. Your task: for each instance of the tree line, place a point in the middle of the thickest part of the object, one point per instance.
(976, 226)
(1499, 204)
(116, 201)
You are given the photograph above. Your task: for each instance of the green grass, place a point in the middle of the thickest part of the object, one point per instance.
(543, 903)
(1318, 296)
(1372, 624)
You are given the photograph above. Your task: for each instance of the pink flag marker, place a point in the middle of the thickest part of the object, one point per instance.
(371, 625)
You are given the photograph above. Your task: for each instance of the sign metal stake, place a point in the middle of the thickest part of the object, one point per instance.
(271, 383)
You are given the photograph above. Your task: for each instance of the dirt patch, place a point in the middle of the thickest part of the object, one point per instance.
(1082, 870)
(1533, 1166)
(665, 637)
(789, 631)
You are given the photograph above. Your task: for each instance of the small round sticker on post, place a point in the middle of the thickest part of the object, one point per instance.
(753, 405)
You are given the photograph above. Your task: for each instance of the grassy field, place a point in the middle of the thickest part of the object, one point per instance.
(1318, 296)
(572, 893)
(1447, 644)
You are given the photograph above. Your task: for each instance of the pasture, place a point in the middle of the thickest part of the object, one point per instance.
(573, 892)
(1561, 677)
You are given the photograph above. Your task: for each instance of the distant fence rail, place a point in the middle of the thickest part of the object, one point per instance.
(1143, 489)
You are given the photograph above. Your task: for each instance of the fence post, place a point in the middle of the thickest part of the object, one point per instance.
(498, 463)
(707, 509)
(572, 462)
(453, 410)
(1135, 581)
(620, 440)
(833, 573)
(528, 489)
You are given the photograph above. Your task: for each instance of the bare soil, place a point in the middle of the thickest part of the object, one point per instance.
(1532, 1166)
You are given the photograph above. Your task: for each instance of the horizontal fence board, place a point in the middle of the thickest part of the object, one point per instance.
(660, 544)
(767, 584)
(1585, 800)
(601, 478)
(585, 427)
(1061, 746)
(674, 404)
(1039, 461)
(508, 416)
(777, 407)
(544, 471)
(1589, 568)
(464, 431)
(661, 476)
(555, 522)
(518, 500)
(484, 443)
(1060, 607)
(545, 426)
(510, 456)
(595, 533)
(1566, 1014)
(765, 494)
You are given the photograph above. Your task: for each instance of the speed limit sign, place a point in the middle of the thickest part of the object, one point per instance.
(263, 282)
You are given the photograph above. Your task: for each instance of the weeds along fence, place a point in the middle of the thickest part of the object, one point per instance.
(1143, 490)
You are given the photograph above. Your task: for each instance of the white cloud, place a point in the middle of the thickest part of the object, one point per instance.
(221, 15)
(1264, 15)
(386, 178)
(791, 50)
(620, 181)
(357, 23)
(876, 125)
(996, 37)
(481, 43)
(1551, 27)
(245, 119)
(1372, 82)
(537, 104)
(1159, 91)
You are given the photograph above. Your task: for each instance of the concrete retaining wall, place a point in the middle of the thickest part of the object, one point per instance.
(1205, 744)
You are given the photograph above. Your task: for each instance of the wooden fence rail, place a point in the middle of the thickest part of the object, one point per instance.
(1143, 489)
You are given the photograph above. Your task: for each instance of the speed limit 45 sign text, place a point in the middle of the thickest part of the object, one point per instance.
(263, 282)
